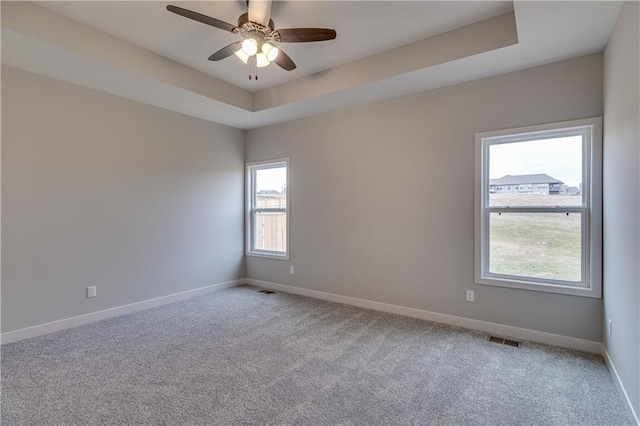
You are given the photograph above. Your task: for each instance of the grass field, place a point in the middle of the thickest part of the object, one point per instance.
(541, 245)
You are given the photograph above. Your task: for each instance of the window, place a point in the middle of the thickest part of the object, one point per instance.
(267, 209)
(545, 240)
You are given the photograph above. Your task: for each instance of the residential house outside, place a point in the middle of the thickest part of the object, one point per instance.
(572, 190)
(539, 184)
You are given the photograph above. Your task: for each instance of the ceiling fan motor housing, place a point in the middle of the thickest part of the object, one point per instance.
(248, 29)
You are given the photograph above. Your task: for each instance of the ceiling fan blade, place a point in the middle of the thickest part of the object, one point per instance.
(260, 11)
(302, 35)
(226, 51)
(284, 61)
(201, 18)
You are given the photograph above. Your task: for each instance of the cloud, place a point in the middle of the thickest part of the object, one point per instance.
(560, 158)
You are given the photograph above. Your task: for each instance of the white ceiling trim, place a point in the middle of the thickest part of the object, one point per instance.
(52, 28)
(474, 39)
(53, 61)
(364, 28)
(39, 40)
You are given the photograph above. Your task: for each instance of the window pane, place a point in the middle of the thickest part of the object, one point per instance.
(271, 193)
(271, 231)
(538, 245)
(545, 172)
(271, 188)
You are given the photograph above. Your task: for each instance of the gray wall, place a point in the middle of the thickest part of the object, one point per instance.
(99, 190)
(621, 171)
(383, 196)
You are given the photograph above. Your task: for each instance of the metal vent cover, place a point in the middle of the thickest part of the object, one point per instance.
(512, 343)
(503, 341)
(265, 291)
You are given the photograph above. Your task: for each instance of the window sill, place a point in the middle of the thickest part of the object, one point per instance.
(266, 255)
(536, 286)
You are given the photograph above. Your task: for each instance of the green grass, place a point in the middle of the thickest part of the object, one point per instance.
(541, 245)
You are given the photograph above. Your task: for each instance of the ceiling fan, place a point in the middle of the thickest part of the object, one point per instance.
(260, 39)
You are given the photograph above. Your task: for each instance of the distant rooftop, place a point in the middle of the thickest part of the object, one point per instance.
(524, 179)
(270, 193)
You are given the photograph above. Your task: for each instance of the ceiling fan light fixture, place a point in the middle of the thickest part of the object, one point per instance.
(261, 60)
(250, 46)
(270, 51)
(242, 56)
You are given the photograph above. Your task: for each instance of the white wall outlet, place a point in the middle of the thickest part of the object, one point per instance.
(91, 291)
(469, 295)
(610, 328)
(292, 270)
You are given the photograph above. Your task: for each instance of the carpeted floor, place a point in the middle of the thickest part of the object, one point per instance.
(244, 357)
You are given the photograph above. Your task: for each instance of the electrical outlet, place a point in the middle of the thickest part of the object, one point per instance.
(91, 291)
(469, 295)
(292, 270)
(610, 328)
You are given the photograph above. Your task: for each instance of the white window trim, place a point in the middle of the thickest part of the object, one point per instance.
(592, 220)
(249, 202)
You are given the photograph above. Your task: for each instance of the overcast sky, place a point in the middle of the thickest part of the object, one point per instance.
(560, 158)
(271, 179)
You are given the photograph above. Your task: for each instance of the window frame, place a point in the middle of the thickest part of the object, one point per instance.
(250, 211)
(591, 209)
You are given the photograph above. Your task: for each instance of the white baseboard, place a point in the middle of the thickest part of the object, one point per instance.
(616, 379)
(487, 327)
(50, 327)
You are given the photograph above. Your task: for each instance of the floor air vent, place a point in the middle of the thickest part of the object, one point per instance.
(504, 341)
(265, 291)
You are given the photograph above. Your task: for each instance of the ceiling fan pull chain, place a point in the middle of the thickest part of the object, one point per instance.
(254, 64)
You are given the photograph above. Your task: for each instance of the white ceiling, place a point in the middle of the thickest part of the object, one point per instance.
(364, 28)
(121, 48)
